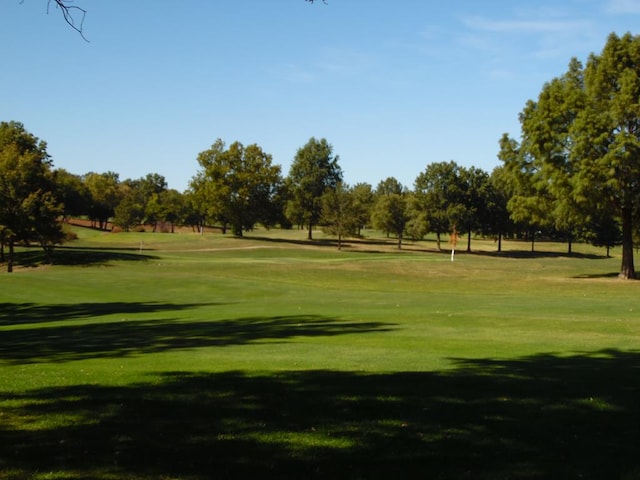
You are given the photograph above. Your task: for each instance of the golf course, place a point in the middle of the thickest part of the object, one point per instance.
(183, 356)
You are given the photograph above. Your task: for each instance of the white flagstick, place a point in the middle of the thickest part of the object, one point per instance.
(453, 239)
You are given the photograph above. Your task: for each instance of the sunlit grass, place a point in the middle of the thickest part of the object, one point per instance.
(174, 356)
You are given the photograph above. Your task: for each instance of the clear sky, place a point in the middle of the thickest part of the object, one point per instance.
(393, 85)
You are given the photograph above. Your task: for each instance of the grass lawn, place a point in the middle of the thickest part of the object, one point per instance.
(184, 356)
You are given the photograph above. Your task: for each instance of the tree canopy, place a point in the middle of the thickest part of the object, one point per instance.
(237, 185)
(28, 204)
(581, 146)
(314, 170)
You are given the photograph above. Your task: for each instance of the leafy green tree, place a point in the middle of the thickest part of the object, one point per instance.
(29, 209)
(237, 184)
(417, 226)
(194, 213)
(607, 138)
(529, 204)
(129, 212)
(548, 139)
(314, 171)
(363, 199)
(105, 194)
(339, 215)
(391, 214)
(604, 231)
(388, 186)
(497, 221)
(72, 193)
(469, 209)
(583, 135)
(172, 207)
(437, 191)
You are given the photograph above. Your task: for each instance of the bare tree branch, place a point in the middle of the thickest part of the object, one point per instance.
(72, 14)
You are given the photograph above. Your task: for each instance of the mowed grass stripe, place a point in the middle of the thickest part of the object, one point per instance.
(207, 356)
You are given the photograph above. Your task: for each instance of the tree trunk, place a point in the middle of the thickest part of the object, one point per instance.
(533, 242)
(310, 235)
(469, 241)
(10, 259)
(400, 241)
(438, 240)
(627, 270)
(499, 242)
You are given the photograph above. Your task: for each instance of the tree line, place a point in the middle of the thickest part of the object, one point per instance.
(573, 175)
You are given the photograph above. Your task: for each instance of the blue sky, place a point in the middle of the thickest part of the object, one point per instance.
(393, 85)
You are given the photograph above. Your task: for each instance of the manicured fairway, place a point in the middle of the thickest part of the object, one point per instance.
(145, 356)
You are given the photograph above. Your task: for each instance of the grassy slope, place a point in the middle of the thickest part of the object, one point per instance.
(202, 354)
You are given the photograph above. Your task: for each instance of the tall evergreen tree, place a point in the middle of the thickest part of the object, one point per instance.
(583, 139)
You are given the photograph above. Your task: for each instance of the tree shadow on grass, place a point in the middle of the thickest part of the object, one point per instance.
(31, 313)
(119, 338)
(533, 418)
(598, 275)
(79, 256)
(528, 254)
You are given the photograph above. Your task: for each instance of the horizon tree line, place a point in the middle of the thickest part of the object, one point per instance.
(574, 174)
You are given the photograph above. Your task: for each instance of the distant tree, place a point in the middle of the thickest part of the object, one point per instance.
(437, 194)
(468, 209)
(105, 195)
(339, 215)
(388, 186)
(417, 225)
(530, 204)
(130, 211)
(497, 221)
(390, 214)
(29, 208)
(237, 184)
(603, 231)
(172, 207)
(314, 170)
(363, 199)
(194, 213)
(72, 192)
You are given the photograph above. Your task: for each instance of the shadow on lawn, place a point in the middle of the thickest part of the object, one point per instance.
(24, 313)
(61, 343)
(537, 417)
(79, 256)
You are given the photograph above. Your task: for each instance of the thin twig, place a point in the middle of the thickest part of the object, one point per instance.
(68, 15)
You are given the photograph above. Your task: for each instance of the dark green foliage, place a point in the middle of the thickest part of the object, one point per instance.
(339, 214)
(314, 171)
(236, 186)
(29, 208)
(580, 150)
